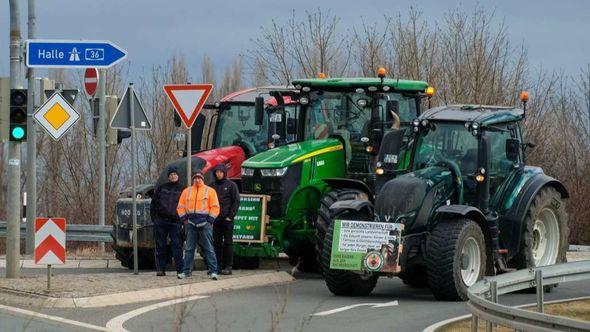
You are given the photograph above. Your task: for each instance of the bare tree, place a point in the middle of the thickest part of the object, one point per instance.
(301, 48)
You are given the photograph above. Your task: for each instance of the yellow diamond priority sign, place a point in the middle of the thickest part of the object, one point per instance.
(56, 116)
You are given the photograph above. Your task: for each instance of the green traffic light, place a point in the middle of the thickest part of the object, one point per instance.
(18, 133)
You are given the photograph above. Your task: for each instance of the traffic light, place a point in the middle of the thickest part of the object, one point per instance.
(18, 115)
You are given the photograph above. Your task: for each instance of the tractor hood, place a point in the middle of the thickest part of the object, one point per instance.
(410, 199)
(287, 155)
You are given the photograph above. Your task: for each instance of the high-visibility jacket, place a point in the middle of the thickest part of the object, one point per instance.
(198, 202)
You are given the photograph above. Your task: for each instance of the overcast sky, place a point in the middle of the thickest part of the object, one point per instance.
(556, 33)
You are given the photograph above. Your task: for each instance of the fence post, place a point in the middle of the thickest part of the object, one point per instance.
(474, 323)
(540, 290)
(494, 298)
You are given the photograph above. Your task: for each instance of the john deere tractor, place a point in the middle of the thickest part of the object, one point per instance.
(467, 206)
(338, 126)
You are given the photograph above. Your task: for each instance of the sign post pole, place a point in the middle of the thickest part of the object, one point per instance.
(48, 276)
(101, 150)
(189, 156)
(133, 189)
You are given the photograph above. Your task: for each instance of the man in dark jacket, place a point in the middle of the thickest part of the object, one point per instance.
(167, 223)
(223, 228)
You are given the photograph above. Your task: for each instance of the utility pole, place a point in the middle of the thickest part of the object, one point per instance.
(14, 209)
(102, 78)
(31, 143)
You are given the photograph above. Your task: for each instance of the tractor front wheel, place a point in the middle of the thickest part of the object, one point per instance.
(455, 258)
(324, 219)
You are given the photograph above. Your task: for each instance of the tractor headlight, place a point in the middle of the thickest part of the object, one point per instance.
(247, 171)
(274, 171)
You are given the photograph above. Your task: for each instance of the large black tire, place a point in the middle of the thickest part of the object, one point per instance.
(145, 258)
(444, 257)
(546, 199)
(415, 276)
(324, 219)
(341, 282)
(246, 263)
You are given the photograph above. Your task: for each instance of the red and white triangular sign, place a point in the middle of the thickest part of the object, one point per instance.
(188, 99)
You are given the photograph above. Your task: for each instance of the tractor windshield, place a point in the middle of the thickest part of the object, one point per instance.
(447, 142)
(236, 126)
(350, 113)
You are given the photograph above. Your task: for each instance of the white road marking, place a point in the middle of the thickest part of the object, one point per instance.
(372, 305)
(116, 324)
(52, 318)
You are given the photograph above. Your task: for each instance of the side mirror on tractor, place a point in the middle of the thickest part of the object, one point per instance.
(259, 111)
(512, 149)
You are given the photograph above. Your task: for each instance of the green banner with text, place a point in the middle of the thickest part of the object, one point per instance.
(250, 221)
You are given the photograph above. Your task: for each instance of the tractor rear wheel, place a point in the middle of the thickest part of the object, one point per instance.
(545, 234)
(455, 258)
(324, 219)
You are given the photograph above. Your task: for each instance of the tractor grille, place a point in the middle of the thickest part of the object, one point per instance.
(279, 189)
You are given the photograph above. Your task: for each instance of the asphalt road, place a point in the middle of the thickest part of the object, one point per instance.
(282, 308)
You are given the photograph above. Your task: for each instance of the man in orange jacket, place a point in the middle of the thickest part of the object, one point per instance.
(197, 208)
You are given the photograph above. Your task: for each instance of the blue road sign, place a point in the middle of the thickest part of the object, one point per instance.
(43, 53)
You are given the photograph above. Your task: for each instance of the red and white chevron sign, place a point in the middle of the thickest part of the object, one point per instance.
(50, 241)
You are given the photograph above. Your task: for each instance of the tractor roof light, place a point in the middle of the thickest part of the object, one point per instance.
(322, 76)
(416, 122)
(306, 89)
(381, 72)
(524, 96)
(386, 88)
(359, 90)
(429, 91)
(372, 88)
(424, 123)
(475, 126)
(298, 86)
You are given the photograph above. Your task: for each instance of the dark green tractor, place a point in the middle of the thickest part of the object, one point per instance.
(467, 202)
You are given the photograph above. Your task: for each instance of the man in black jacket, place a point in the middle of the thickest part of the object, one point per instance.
(223, 228)
(166, 222)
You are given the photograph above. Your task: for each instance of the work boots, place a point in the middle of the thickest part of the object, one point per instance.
(227, 271)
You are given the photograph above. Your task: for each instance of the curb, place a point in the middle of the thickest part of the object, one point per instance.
(170, 292)
(436, 326)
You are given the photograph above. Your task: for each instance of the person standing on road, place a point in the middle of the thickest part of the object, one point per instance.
(197, 208)
(166, 222)
(223, 228)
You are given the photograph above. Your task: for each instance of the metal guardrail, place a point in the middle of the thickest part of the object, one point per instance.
(483, 298)
(74, 232)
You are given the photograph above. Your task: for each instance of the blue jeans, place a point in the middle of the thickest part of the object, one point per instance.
(204, 237)
(164, 228)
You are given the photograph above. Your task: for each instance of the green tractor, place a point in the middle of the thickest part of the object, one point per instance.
(467, 206)
(338, 126)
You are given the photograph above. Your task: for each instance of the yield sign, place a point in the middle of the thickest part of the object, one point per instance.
(188, 99)
(56, 116)
(50, 241)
